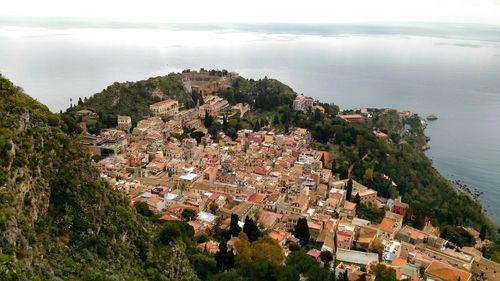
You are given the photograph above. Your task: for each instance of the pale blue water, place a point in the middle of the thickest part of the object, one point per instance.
(451, 71)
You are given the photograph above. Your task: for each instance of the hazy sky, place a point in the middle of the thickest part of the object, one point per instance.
(260, 11)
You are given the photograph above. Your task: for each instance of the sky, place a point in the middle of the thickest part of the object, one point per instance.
(262, 11)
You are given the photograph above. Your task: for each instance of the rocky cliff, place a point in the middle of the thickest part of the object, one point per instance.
(58, 220)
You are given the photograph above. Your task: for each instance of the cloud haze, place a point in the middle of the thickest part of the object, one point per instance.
(262, 11)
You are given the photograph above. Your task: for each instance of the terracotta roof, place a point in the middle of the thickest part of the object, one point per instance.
(349, 206)
(398, 262)
(447, 272)
(256, 197)
(388, 225)
(314, 253)
(278, 235)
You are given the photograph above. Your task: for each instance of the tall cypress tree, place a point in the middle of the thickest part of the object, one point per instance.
(301, 231)
(348, 190)
(221, 256)
(234, 228)
(251, 229)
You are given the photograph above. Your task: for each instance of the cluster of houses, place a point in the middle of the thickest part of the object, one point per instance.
(276, 179)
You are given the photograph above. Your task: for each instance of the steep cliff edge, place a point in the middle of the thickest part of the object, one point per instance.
(58, 220)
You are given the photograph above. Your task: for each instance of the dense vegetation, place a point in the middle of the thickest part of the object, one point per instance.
(58, 220)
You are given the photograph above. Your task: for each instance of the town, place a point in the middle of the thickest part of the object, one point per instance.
(274, 180)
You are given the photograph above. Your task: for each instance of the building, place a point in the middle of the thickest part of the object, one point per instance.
(487, 268)
(352, 118)
(368, 197)
(400, 208)
(361, 259)
(124, 123)
(214, 105)
(344, 239)
(166, 108)
(439, 271)
(302, 103)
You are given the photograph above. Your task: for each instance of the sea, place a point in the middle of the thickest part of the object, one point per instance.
(452, 71)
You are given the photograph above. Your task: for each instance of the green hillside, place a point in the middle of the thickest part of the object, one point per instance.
(133, 99)
(58, 220)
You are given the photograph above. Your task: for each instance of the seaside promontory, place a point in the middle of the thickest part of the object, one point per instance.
(206, 175)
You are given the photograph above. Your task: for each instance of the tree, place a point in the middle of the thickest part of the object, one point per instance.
(251, 229)
(169, 233)
(256, 126)
(316, 273)
(348, 190)
(345, 277)
(234, 228)
(383, 272)
(357, 198)
(225, 126)
(334, 167)
(482, 233)
(197, 135)
(208, 120)
(300, 261)
(268, 249)
(223, 258)
(326, 258)
(143, 209)
(188, 214)
(276, 120)
(458, 236)
(242, 246)
(301, 231)
(287, 273)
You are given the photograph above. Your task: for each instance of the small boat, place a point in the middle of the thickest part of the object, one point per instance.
(432, 117)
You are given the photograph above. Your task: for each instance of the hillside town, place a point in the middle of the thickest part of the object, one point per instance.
(275, 179)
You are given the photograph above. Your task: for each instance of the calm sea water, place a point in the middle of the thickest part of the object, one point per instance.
(453, 72)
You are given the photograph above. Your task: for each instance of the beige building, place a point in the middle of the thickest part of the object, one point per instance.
(368, 197)
(165, 108)
(124, 123)
(486, 268)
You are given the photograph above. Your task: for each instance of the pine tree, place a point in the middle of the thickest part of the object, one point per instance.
(301, 231)
(348, 190)
(234, 228)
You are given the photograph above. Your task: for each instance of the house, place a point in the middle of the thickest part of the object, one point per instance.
(280, 236)
(209, 246)
(366, 236)
(368, 197)
(388, 228)
(352, 118)
(124, 123)
(315, 254)
(400, 208)
(156, 203)
(166, 108)
(351, 257)
(268, 219)
(486, 268)
(344, 239)
(439, 271)
(302, 103)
